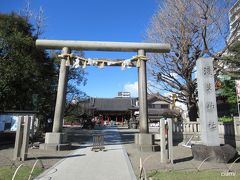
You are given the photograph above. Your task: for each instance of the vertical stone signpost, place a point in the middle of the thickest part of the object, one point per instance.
(207, 102)
(163, 150)
(210, 148)
(25, 140)
(22, 138)
(170, 140)
(18, 138)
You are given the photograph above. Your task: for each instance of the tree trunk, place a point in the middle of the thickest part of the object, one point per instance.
(192, 111)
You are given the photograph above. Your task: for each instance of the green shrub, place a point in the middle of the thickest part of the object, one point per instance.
(71, 119)
(225, 119)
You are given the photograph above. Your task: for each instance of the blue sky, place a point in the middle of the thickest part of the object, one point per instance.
(96, 20)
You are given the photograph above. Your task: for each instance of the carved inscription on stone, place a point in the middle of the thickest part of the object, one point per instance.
(208, 87)
(207, 71)
(210, 106)
(207, 102)
(212, 125)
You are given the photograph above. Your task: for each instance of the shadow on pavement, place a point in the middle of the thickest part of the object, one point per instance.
(113, 149)
(56, 157)
(7, 140)
(114, 137)
(111, 136)
(183, 159)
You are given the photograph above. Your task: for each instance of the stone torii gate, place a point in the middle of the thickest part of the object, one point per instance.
(56, 138)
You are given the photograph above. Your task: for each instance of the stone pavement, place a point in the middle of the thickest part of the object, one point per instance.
(110, 164)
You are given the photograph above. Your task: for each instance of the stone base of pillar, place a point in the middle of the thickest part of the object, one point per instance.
(55, 138)
(55, 142)
(144, 141)
(220, 154)
(55, 147)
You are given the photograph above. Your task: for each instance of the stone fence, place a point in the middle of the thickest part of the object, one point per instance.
(229, 133)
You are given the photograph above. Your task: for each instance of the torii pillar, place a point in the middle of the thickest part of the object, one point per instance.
(56, 140)
(61, 94)
(142, 94)
(144, 139)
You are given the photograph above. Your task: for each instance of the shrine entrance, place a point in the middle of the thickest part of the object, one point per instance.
(139, 61)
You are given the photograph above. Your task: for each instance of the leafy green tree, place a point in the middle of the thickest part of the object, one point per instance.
(235, 53)
(28, 77)
(230, 73)
(19, 63)
(228, 91)
(232, 60)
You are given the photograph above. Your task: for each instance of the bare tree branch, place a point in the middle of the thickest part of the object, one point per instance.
(193, 28)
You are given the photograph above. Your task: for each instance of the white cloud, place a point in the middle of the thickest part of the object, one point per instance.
(175, 75)
(181, 106)
(132, 88)
(168, 94)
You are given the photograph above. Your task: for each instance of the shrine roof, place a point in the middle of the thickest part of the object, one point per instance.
(113, 104)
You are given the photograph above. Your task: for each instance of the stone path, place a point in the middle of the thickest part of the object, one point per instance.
(111, 164)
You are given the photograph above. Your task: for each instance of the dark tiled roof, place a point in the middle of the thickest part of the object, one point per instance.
(113, 104)
(163, 112)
